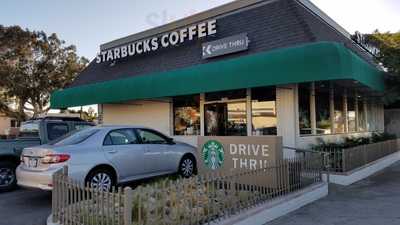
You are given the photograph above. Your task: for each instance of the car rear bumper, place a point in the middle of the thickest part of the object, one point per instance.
(35, 179)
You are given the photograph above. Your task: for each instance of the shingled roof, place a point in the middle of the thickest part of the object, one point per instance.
(270, 24)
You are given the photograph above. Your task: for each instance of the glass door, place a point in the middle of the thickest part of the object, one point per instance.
(225, 119)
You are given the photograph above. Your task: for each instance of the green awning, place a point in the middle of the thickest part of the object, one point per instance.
(310, 62)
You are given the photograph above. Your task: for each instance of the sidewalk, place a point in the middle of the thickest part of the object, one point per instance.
(373, 201)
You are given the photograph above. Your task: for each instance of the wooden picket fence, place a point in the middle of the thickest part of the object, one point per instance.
(75, 203)
(197, 200)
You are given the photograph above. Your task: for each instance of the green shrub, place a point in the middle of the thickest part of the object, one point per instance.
(350, 142)
(379, 137)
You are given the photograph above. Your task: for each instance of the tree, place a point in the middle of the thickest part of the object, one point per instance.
(32, 66)
(388, 55)
(389, 50)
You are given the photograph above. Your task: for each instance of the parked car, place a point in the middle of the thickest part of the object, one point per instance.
(105, 156)
(32, 133)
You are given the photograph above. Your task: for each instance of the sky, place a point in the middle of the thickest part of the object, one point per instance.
(89, 23)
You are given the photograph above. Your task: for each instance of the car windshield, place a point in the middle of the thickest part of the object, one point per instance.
(29, 129)
(75, 137)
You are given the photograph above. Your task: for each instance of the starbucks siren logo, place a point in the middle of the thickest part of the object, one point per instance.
(213, 154)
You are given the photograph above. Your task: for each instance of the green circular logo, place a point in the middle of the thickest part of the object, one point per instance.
(213, 154)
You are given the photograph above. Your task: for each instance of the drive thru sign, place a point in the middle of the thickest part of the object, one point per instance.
(240, 155)
(225, 46)
(226, 154)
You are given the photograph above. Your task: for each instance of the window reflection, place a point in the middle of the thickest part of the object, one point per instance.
(187, 115)
(237, 121)
(225, 119)
(361, 116)
(264, 118)
(351, 114)
(339, 116)
(322, 108)
(304, 109)
(357, 109)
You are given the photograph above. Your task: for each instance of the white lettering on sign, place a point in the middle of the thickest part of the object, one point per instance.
(252, 164)
(244, 156)
(225, 46)
(249, 149)
(174, 38)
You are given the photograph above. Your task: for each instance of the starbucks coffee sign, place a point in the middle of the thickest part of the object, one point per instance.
(227, 154)
(153, 44)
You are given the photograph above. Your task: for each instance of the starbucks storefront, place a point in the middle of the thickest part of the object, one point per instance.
(247, 68)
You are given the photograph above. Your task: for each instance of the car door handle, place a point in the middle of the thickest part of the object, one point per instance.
(112, 151)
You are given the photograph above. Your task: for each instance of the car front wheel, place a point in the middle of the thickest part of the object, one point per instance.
(187, 167)
(8, 179)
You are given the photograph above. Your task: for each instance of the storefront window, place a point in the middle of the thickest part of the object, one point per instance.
(304, 109)
(339, 116)
(372, 116)
(264, 120)
(187, 115)
(322, 108)
(361, 116)
(225, 119)
(351, 114)
(225, 95)
(237, 119)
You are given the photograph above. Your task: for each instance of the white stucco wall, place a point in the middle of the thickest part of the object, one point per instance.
(152, 114)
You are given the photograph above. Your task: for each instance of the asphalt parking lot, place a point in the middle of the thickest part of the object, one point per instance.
(25, 207)
(373, 201)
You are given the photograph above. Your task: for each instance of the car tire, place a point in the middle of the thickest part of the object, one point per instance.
(101, 179)
(187, 166)
(8, 178)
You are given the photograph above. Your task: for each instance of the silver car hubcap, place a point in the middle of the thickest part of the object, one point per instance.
(101, 182)
(7, 177)
(187, 167)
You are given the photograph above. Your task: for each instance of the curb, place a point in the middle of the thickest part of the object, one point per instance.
(363, 172)
(282, 206)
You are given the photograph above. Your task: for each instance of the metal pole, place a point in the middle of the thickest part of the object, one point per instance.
(327, 167)
(313, 115)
